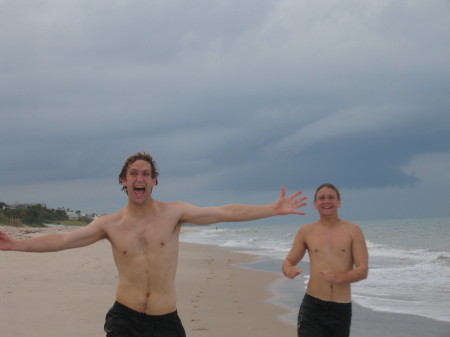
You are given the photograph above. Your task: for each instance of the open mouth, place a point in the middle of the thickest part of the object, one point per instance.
(139, 190)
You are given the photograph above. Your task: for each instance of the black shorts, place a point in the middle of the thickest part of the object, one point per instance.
(317, 318)
(122, 321)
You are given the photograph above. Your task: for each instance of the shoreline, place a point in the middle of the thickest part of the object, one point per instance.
(221, 292)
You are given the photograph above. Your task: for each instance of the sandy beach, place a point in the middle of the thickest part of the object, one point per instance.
(68, 293)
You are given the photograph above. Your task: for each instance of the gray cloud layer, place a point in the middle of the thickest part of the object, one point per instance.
(231, 98)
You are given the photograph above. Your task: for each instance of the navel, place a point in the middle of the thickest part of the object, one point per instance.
(162, 243)
(124, 252)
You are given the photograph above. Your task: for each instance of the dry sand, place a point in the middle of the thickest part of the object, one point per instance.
(68, 293)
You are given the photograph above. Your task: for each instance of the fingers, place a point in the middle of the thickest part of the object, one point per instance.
(296, 194)
(299, 203)
(328, 276)
(294, 271)
(293, 195)
(294, 275)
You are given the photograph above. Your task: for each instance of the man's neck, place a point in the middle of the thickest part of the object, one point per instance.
(138, 210)
(329, 220)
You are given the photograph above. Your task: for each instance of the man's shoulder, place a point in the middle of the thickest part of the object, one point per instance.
(307, 228)
(107, 220)
(310, 225)
(351, 228)
(349, 224)
(171, 205)
(175, 205)
(113, 216)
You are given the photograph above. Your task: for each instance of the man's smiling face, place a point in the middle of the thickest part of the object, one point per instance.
(139, 182)
(327, 201)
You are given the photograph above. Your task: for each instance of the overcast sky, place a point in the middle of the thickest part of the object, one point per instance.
(234, 99)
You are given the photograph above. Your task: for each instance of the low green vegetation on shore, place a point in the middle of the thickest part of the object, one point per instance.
(71, 223)
(38, 215)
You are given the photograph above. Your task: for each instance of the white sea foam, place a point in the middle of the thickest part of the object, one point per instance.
(420, 308)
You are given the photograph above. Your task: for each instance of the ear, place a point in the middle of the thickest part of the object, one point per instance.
(124, 182)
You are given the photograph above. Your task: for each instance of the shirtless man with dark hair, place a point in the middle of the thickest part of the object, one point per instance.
(144, 237)
(338, 257)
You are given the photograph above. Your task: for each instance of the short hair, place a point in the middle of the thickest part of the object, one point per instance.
(138, 156)
(330, 186)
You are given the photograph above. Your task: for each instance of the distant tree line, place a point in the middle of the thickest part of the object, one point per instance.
(32, 215)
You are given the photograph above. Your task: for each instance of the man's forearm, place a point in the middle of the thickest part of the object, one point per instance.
(42, 244)
(237, 212)
(354, 275)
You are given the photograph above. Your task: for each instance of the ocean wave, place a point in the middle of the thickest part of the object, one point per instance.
(434, 311)
(417, 254)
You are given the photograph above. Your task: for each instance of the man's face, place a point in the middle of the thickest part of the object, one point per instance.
(139, 182)
(327, 201)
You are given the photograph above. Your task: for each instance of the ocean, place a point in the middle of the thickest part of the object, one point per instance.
(409, 262)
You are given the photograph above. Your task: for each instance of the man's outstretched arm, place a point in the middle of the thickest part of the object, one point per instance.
(239, 212)
(54, 242)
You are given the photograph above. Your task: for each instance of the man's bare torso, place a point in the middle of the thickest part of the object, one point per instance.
(329, 248)
(145, 251)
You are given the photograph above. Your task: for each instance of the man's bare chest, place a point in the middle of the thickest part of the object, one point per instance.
(329, 245)
(144, 239)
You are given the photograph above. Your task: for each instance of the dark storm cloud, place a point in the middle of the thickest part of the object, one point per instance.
(228, 96)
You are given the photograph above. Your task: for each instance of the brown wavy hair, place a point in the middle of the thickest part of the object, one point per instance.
(330, 186)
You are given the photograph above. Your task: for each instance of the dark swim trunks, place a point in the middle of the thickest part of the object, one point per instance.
(122, 321)
(317, 318)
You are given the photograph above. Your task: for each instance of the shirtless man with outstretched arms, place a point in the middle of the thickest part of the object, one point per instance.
(338, 257)
(144, 237)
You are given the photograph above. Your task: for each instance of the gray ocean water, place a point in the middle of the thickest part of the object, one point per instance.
(409, 262)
